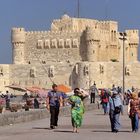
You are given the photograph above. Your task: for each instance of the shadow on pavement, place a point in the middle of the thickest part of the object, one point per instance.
(125, 131)
(107, 131)
(63, 131)
(100, 114)
(103, 131)
(41, 128)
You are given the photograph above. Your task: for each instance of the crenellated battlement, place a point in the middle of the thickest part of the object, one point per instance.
(37, 32)
(108, 25)
(132, 33)
(18, 35)
(92, 40)
(50, 32)
(133, 36)
(17, 30)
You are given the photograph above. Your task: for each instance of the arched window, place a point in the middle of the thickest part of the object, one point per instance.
(43, 62)
(1, 71)
(39, 44)
(33, 82)
(4, 82)
(112, 35)
(51, 71)
(47, 44)
(32, 72)
(54, 43)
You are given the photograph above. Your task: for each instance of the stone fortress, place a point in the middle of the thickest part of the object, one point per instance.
(75, 52)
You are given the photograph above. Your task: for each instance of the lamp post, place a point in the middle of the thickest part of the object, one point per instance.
(123, 38)
(78, 8)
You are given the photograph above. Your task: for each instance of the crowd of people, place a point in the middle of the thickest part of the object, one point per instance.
(7, 98)
(112, 101)
(10, 102)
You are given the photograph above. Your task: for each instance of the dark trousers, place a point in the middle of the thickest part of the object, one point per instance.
(54, 115)
(111, 115)
(7, 104)
(92, 98)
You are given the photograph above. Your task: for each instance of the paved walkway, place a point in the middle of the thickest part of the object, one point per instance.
(95, 127)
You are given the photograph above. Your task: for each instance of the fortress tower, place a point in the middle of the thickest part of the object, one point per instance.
(132, 46)
(83, 75)
(18, 43)
(75, 52)
(92, 44)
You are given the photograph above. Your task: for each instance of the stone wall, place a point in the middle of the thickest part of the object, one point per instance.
(52, 47)
(107, 74)
(82, 74)
(20, 117)
(40, 75)
(4, 77)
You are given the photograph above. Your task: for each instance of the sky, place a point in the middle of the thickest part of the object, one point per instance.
(38, 14)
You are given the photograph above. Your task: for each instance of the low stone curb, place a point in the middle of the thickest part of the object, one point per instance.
(27, 116)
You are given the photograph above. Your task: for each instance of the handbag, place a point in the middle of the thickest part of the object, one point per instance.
(117, 109)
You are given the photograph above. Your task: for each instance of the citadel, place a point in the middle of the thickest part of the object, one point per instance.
(75, 52)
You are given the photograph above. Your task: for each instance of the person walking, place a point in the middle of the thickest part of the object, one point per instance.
(7, 99)
(36, 103)
(104, 100)
(93, 92)
(77, 109)
(54, 102)
(115, 108)
(134, 111)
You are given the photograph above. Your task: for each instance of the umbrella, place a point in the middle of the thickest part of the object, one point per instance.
(43, 93)
(63, 88)
(16, 87)
(70, 93)
(32, 89)
(37, 90)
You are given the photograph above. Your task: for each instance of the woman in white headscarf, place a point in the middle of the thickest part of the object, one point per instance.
(115, 108)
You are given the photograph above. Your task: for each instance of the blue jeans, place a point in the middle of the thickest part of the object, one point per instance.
(105, 107)
(108, 107)
(135, 122)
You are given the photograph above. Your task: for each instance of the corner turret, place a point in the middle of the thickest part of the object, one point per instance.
(18, 43)
(133, 44)
(92, 44)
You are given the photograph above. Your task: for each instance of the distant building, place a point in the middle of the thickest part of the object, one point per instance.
(75, 52)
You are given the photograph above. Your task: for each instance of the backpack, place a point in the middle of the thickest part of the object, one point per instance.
(105, 99)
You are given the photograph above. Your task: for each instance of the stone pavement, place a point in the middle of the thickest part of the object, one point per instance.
(95, 127)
